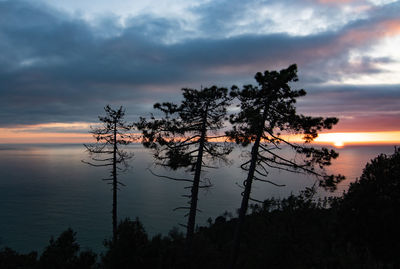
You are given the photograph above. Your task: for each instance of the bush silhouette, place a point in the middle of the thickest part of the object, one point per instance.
(127, 250)
(63, 253)
(371, 207)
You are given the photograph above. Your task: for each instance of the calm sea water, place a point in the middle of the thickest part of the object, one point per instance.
(45, 189)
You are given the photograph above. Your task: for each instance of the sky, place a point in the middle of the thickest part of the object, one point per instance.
(62, 62)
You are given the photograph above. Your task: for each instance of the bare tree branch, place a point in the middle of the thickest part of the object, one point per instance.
(167, 177)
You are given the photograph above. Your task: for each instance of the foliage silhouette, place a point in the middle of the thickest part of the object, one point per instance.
(268, 113)
(183, 139)
(10, 259)
(371, 206)
(110, 136)
(127, 249)
(62, 253)
(133, 249)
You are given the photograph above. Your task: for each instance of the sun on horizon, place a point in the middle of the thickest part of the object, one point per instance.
(350, 138)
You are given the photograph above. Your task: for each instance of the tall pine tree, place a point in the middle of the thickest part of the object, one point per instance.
(186, 138)
(268, 114)
(107, 151)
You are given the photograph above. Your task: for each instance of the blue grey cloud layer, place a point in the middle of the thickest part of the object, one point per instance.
(55, 67)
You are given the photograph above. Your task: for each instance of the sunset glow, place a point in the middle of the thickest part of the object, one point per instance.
(55, 83)
(342, 139)
(78, 132)
(47, 133)
(141, 116)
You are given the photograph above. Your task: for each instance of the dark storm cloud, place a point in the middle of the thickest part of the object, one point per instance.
(59, 68)
(362, 99)
(359, 108)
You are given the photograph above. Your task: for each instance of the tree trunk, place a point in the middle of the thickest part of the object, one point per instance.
(114, 174)
(246, 196)
(195, 187)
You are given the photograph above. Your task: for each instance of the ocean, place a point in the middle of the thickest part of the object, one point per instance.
(44, 189)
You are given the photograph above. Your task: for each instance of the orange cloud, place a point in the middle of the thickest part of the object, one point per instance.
(10, 137)
(383, 29)
(54, 125)
(46, 133)
(357, 37)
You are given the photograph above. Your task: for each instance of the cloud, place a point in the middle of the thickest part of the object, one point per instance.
(335, 1)
(359, 108)
(57, 67)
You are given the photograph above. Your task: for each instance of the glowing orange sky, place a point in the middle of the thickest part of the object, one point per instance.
(78, 133)
(27, 137)
(47, 133)
(342, 139)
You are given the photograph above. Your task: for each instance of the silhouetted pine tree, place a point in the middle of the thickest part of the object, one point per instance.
(183, 139)
(106, 152)
(268, 113)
